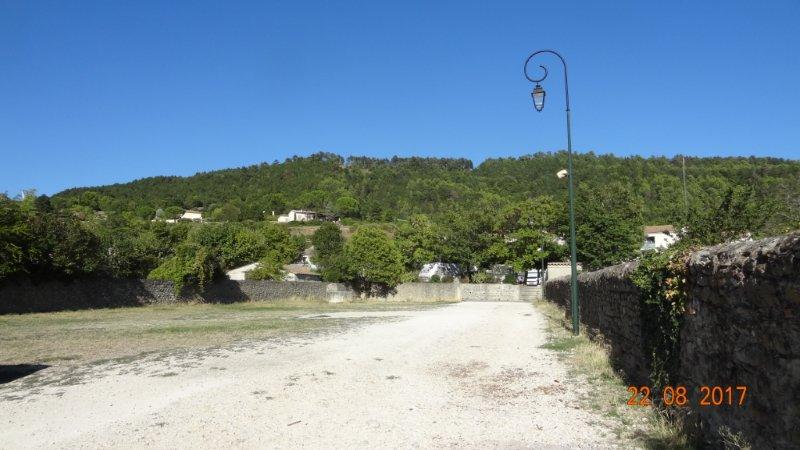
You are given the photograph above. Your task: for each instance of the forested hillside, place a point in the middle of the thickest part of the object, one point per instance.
(387, 189)
(505, 211)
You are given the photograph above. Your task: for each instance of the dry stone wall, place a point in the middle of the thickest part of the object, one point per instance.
(25, 296)
(741, 328)
(609, 304)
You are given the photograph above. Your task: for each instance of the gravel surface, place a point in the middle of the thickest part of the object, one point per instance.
(469, 375)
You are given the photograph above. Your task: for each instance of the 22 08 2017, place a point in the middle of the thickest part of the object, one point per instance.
(679, 396)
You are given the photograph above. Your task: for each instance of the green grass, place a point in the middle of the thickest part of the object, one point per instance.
(77, 337)
(563, 344)
(608, 394)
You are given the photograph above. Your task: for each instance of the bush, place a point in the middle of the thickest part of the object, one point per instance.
(410, 277)
(510, 279)
(192, 266)
(447, 279)
(268, 269)
(434, 279)
(482, 277)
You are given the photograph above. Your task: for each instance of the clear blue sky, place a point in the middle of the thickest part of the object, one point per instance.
(109, 91)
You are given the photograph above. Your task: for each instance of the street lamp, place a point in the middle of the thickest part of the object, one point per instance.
(538, 95)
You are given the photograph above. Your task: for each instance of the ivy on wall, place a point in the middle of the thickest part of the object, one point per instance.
(661, 277)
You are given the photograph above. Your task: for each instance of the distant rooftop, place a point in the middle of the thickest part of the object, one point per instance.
(659, 229)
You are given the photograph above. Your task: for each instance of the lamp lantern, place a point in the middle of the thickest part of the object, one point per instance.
(538, 97)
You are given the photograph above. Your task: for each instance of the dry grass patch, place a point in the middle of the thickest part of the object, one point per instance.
(608, 393)
(76, 337)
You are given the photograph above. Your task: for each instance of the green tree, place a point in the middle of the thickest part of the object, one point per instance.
(42, 204)
(172, 212)
(61, 245)
(740, 214)
(13, 238)
(227, 213)
(329, 252)
(283, 246)
(346, 206)
(373, 260)
(609, 225)
(417, 241)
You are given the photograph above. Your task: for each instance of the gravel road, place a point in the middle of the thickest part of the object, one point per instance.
(468, 375)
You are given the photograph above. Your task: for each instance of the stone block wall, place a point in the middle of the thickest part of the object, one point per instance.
(453, 292)
(741, 328)
(490, 292)
(425, 292)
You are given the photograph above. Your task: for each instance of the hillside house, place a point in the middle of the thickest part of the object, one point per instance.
(192, 215)
(300, 215)
(659, 236)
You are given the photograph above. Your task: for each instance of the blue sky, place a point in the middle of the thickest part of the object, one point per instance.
(102, 92)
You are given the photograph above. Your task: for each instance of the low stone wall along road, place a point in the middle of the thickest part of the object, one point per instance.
(467, 375)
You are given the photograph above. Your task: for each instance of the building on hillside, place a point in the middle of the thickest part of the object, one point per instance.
(302, 215)
(302, 269)
(192, 215)
(439, 269)
(240, 273)
(659, 236)
(558, 269)
(189, 215)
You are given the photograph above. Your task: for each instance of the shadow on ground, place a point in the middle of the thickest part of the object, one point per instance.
(11, 372)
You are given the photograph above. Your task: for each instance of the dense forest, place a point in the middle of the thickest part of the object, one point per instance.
(406, 212)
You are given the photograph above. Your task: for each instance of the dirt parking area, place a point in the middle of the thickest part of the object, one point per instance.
(467, 375)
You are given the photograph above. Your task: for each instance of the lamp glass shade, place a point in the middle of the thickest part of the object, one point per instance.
(538, 97)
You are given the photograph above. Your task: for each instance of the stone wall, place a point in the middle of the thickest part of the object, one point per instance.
(741, 328)
(490, 292)
(25, 296)
(453, 292)
(425, 292)
(608, 304)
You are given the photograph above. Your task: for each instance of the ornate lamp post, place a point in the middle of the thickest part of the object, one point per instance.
(538, 95)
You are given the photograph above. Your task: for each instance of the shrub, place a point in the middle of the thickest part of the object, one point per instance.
(268, 269)
(410, 277)
(510, 279)
(447, 279)
(434, 279)
(192, 266)
(482, 277)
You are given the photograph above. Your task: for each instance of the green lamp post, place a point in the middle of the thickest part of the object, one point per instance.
(538, 96)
